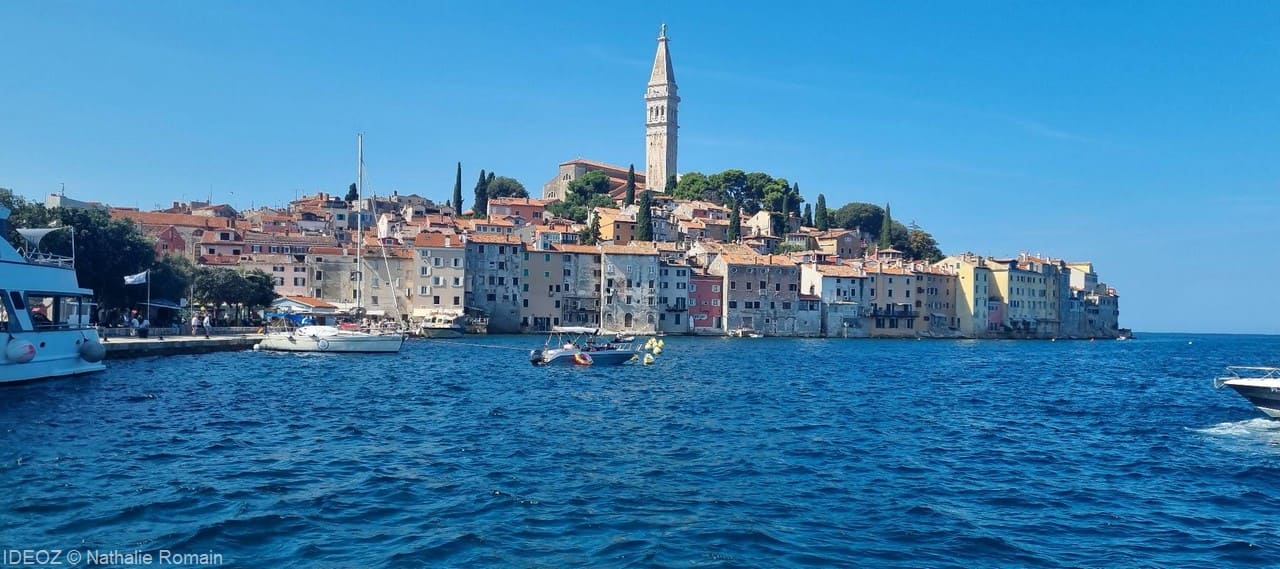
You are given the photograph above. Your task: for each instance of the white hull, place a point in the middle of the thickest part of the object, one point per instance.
(340, 342)
(59, 356)
(440, 332)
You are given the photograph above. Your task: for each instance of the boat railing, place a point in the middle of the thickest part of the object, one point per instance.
(38, 257)
(1247, 372)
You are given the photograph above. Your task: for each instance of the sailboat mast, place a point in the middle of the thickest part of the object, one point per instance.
(359, 220)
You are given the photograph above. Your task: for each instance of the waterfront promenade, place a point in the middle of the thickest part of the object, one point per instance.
(120, 347)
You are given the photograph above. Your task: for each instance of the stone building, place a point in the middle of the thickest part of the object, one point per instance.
(493, 265)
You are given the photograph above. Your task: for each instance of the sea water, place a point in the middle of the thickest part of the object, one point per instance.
(725, 452)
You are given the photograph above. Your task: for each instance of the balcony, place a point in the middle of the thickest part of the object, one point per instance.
(892, 313)
(677, 309)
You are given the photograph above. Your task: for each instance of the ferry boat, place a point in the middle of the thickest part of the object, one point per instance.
(1259, 385)
(582, 346)
(44, 314)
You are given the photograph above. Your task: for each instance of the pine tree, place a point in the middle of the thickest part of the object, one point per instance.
(481, 202)
(885, 241)
(644, 217)
(735, 223)
(630, 198)
(457, 191)
(820, 219)
(807, 219)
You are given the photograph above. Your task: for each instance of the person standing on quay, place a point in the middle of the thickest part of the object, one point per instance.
(207, 322)
(195, 323)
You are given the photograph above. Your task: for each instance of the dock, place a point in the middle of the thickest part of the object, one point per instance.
(128, 347)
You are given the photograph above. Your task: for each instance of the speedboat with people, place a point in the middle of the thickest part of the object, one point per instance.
(582, 346)
(1258, 385)
(295, 333)
(44, 314)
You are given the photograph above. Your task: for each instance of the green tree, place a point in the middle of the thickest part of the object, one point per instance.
(781, 218)
(886, 229)
(588, 191)
(695, 186)
(857, 215)
(820, 217)
(457, 190)
(591, 234)
(921, 245)
(242, 289)
(479, 206)
(644, 217)
(353, 194)
(672, 181)
(735, 223)
(503, 187)
(807, 218)
(630, 196)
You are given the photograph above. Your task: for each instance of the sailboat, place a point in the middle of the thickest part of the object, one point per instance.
(321, 338)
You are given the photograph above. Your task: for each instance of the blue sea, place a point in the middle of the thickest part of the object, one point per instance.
(725, 453)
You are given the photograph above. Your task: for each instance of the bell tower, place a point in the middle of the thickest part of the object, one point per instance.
(660, 124)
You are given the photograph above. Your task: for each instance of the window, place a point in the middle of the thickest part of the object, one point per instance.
(715, 288)
(456, 301)
(373, 299)
(732, 303)
(297, 281)
(318, 275)
(457, 281)
(785, 305)
(491, 297)
(423, 290)
(733, 285)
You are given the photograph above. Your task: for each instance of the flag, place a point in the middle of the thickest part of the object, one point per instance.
(139, 278)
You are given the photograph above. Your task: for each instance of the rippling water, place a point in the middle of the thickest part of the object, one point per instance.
(726, 452)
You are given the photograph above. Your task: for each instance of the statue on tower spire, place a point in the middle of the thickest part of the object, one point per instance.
(662, 32)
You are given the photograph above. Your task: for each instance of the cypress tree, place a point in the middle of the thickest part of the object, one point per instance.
(807, 219)
(591, 235)
(795, 191)
(735, 223)
(820, 219)
(481, 202)
(671, 184)
(457, 191)
(644, 217)
(630, 198)
(784, 219)
(887, 223)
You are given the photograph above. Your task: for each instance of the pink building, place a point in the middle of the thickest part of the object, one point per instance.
(704, 302)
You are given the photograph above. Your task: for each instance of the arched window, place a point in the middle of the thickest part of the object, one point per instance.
(626, 320)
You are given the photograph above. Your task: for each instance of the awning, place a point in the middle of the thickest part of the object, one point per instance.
(163, 303)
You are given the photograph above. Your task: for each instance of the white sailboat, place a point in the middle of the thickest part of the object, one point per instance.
(332, 338)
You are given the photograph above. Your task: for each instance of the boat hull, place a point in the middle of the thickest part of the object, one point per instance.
(1265, 395)
(344, 343)
(440, 333)
(57, 355)
(601, 357)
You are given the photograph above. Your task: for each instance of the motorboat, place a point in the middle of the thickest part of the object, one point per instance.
(582, 346)
(320, 338)
(1259, 385)
(44, 314)
(442, 325)
(745, 333)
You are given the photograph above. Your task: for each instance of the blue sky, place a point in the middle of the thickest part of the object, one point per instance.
(1142, 136)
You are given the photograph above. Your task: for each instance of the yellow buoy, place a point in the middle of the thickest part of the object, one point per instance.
(662, 343)
(657, 351)
(648, 359)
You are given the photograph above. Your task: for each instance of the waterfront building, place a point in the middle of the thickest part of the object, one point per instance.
(889, 293)
(673, 295)
(288, 272)
(580, 303)
(630, 287)
(936, 296)
(439, 283)
(972, 294)
(494, 264)
(706, 309)
(542, 289)
(840, 289)
(661, 123)
(1024, 292)
(762, 292)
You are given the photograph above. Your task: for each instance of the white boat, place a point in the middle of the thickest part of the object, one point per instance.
(582, 346)
(43, 313)
(442, 325)
(333, 338)
(745, 333)
(1258, 385)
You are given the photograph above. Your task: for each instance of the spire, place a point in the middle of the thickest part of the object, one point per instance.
(662, 72)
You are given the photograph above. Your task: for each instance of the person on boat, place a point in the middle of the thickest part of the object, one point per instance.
(39, 317)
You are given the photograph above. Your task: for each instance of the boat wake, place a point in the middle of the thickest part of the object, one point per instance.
(1249, 432)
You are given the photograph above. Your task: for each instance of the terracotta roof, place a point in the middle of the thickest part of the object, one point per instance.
(629, 249)
(310, 301)
(212, 238)
(175, 219)
(840, 270)
(330, 251)
(496, 239)
(757, 260)
(564, 248)
(437, 239)
(519, 201)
